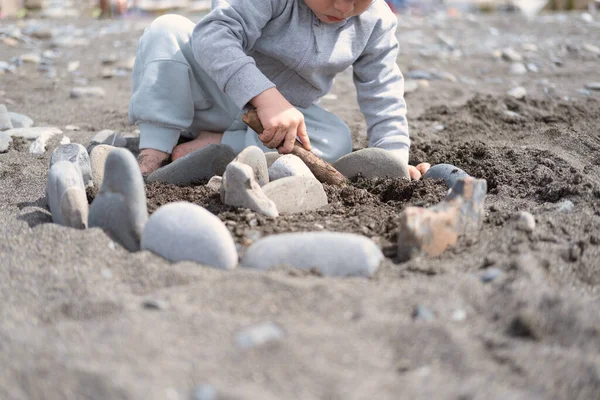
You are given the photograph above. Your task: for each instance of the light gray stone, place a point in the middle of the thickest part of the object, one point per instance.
(98, 161)
(565, 206)
(78, 155)
(195, 167)
(518, 92)
(446, 172)
(107, 136)
(240, 189)
(66, 195)
(255, 158)
(20, 120)
(518, 69)
(525, 221)
(295, 194)
(39, 145)
(372, 163)
(289, 165)
(204, 392)
(5, 141)
(215, 183)
(410, 85)
(120, 206)
(5, 121)
(258, 335)
(271, 157)
(34, 133)
(331, 253)
(87, 91)
(510, 54)
(593, 86)
(187, 232)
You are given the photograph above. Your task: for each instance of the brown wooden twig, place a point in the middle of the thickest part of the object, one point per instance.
(322, 170)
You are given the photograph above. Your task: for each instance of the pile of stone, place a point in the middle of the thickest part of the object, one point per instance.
(265, 183)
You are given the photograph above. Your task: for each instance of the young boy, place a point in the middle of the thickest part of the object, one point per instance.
(278, 56)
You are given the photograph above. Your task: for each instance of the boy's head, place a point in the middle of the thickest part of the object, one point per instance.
(332, 11)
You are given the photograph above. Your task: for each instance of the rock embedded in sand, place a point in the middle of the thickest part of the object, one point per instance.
(490, 274)
(330, 253)
(446, 172)
(518, 69)
(20, 120)
(39, 145)
(518, 92)
(255, 158)
(98, 158)
(294, 194)
(5, 121)
(107, 136)
(120, 206)
(5, 141)
(78, 155)
(240, 189)
(289, 165)
(258, 335)
(187, 232)
(510, 54)
(66, 195)
(525, 221)
(87, 91)
(215, 183)
(195, 167)
(423, 313)
(372, 163)
(593, 86)
(204, 392)
(34, 133)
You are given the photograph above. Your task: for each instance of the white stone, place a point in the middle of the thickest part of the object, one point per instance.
(518, 69)
(518, 92)
(255, 158)
(331, 253)
(34, 133)
(187, 232)
(76, 154)
(87, 91)
(5, 141)
(525, 221)
(66, 195)
(39, 145)
(5, 121)
(294, 194)
(288, 165)
(98, 161)
(20, 120)
(240, 189)
(258, 335)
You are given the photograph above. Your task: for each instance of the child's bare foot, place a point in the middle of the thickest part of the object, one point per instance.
(150, 160)
(204, 139)
(417, 172)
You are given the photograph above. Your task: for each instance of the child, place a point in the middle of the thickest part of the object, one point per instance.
(278, 56)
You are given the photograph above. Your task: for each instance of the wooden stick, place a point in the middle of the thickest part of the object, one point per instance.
(322, 170)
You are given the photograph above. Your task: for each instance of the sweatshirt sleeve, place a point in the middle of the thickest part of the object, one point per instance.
(222, 39)
(380, 90)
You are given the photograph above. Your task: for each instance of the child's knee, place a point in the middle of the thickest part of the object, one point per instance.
(170, 24)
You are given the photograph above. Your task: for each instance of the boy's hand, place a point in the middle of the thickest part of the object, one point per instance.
(282, 122)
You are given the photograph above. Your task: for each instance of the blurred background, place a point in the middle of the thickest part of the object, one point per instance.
(113, 8)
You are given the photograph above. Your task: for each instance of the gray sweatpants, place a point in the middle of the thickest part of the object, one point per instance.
(173, 97)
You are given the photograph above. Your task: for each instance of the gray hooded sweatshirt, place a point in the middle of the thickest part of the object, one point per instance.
(254, 45)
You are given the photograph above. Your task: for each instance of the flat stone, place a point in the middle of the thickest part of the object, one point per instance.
(78, 155)
(20, 120)
(87, 91)
(5, 141)
(204, 392)
(31, 58)
(107, 136)
(518, 69)
(411, 85)
(34, 133)
(593, 86)
(430, 231)
(490, 274)
(258, 335)
(240, 189)
(187, 232)
(98, 161)
(525, 221)
(120, 206)
(66, 195)
(330, 253)
(590, 48)
(255, 158)
(195, 167)
(446, 172)
(294, 194)
(289, 165)
(371, 163)
(271, 157)
(5, 121)
(215, 183)
(518, 92)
